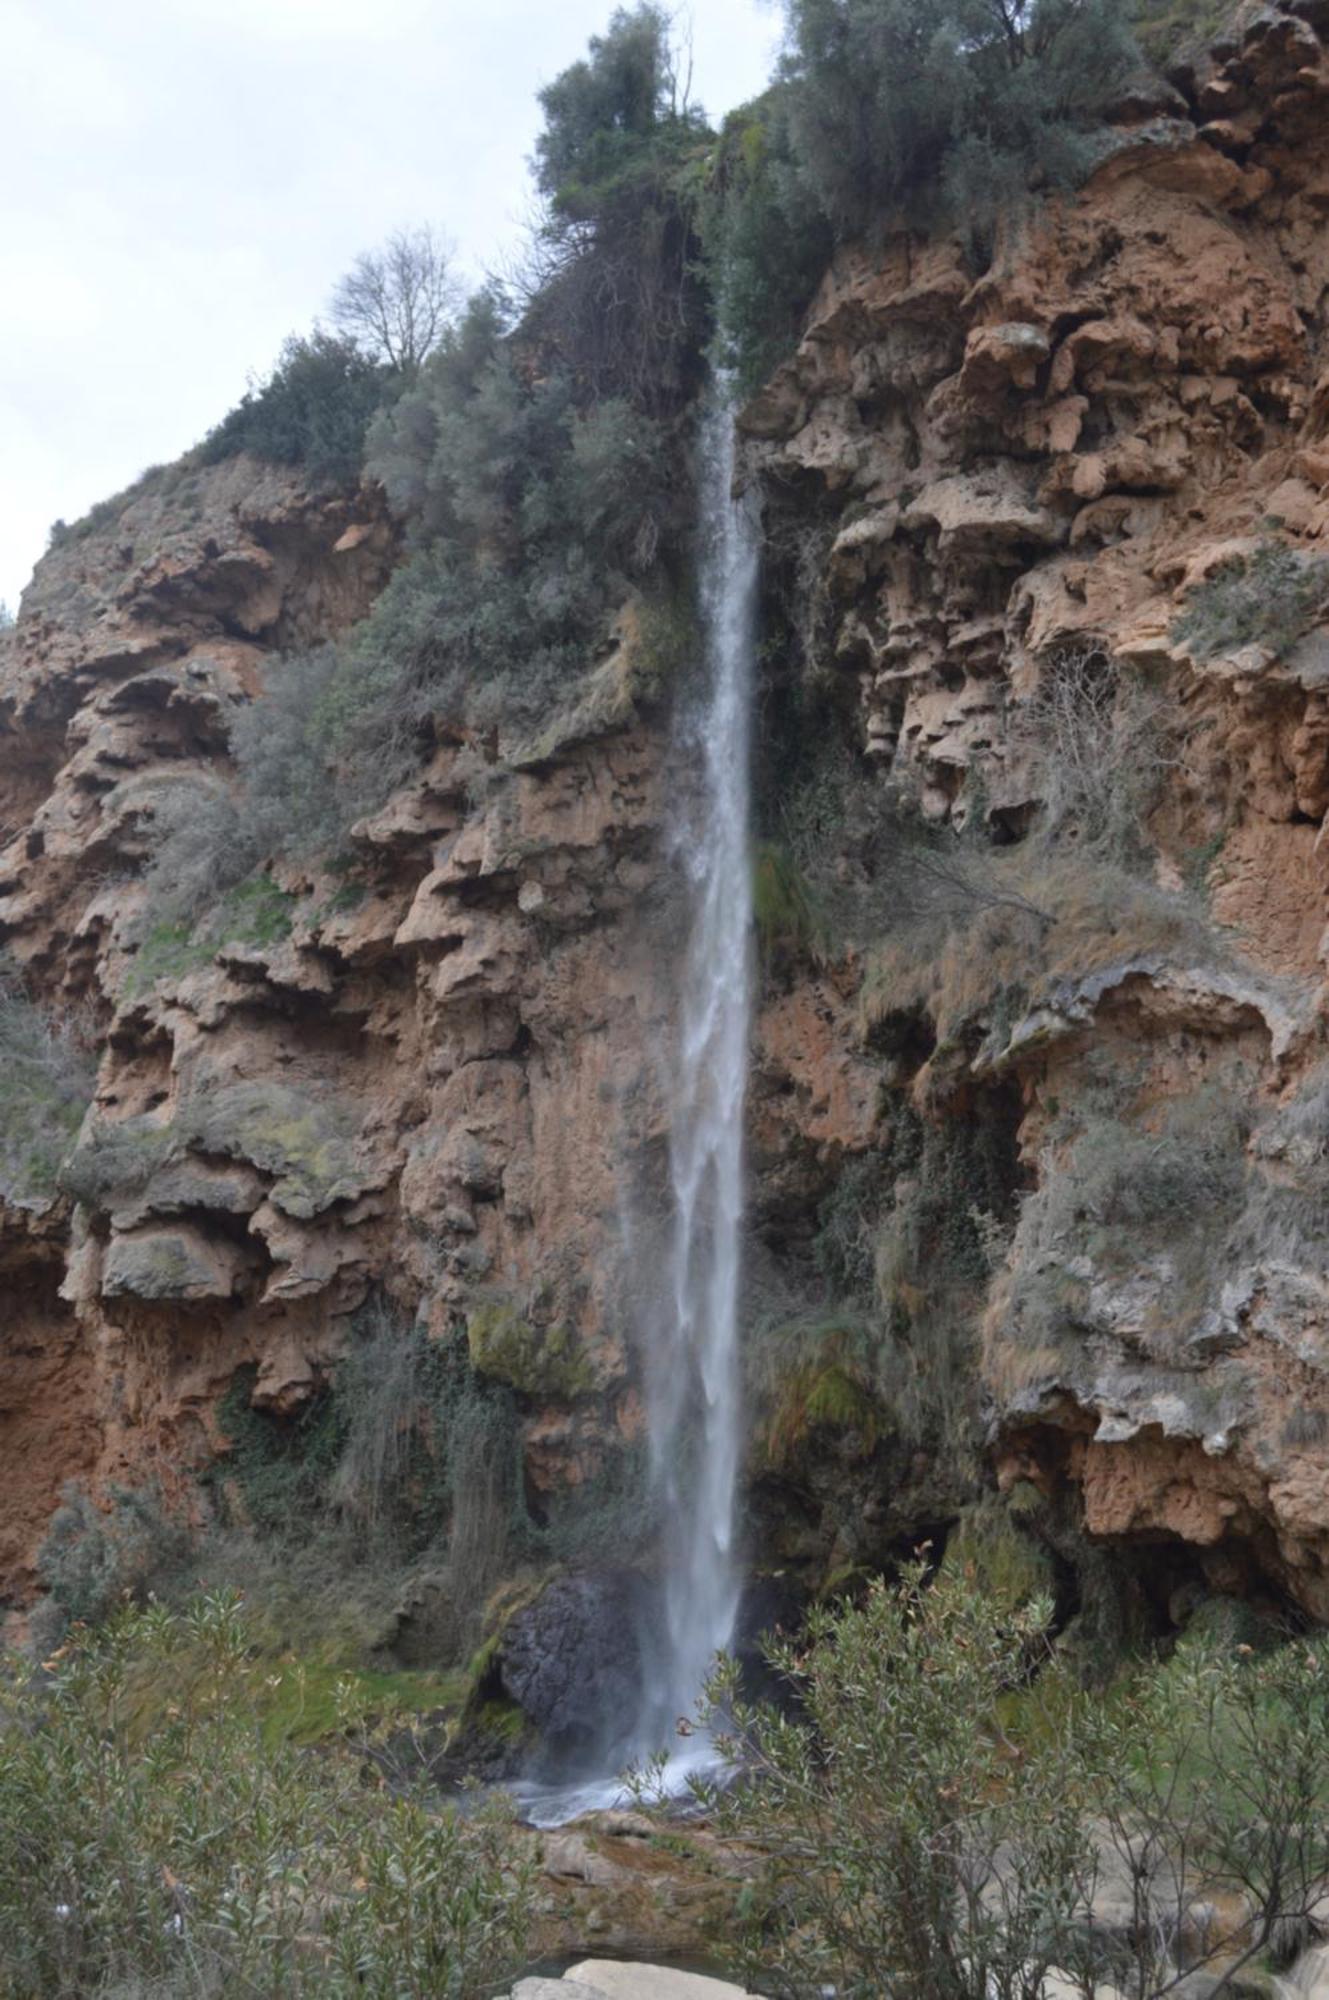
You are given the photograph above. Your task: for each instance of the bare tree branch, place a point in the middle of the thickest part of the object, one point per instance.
(397, 301)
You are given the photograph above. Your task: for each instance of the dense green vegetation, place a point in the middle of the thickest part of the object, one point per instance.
(159, 1835)
(403, 1472)
(939, 1813)
(612, 285)
(945, 1816)
(891, 113)
(312, 411)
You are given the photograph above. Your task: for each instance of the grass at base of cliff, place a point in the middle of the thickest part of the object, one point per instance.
(307, 1695)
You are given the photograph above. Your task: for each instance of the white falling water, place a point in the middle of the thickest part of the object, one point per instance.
(694, 1413)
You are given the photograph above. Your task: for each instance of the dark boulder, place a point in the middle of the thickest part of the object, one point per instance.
(573, 1659)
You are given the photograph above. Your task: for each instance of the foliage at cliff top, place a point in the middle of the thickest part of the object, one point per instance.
(312, 411)
(533, 453)
(613, 284)
(900, 113)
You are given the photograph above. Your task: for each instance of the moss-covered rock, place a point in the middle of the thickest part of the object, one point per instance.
(306, 1144)
(114, 1161)
(536, 1360)
(169, 1264)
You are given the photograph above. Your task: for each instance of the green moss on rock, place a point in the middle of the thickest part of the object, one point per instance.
(115, 1160)
(306, 1145)
(536, 1360)
(824, 1395)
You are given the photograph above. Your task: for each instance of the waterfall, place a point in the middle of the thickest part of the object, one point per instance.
(694, 1407)
(693, 1395)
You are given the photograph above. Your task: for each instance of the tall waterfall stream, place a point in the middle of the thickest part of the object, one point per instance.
(694, 1406)
(694, 1398)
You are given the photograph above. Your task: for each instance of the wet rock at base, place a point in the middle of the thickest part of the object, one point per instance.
(573, 1660)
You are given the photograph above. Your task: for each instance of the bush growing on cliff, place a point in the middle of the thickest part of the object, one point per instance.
(47, 1083)
(1270, 597)
(1104, 740)
(159, 1833)
(612, 294)
(404, 1458)
(313, 410)
(95, 1558)
(889, 114)
(533, 516)
(898, 108)
(210, 838)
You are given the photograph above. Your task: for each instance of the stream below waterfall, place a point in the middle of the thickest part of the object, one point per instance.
(693, 1388)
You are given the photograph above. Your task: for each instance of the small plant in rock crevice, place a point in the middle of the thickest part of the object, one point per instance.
(1270, 597)
(46, 1083)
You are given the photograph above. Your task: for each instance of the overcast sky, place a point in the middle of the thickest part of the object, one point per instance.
(185, 180)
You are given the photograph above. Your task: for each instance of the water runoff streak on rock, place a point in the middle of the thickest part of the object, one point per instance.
(695, 1416)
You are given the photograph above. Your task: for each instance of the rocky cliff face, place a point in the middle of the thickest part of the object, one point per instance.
(440, 1077)
(988, 505)
(1009, 493)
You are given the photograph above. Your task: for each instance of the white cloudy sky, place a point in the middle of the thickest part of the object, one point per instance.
(184, 180)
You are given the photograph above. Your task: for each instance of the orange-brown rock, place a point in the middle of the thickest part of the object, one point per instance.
(450, 1087)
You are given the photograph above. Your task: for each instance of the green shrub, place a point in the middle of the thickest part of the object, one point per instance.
(313, 411)
(534, 515)
(93, 1558)
(939, 1806)
(157, 1834)
(898, 107)
(782, 906)
(405, 1457)
(897, 113)
(48, 1080)
(888, 1799)
(615, 295)
(205, 882)
(1268, 598)
(767, 240)
(847, 1221)
(281, 1466)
